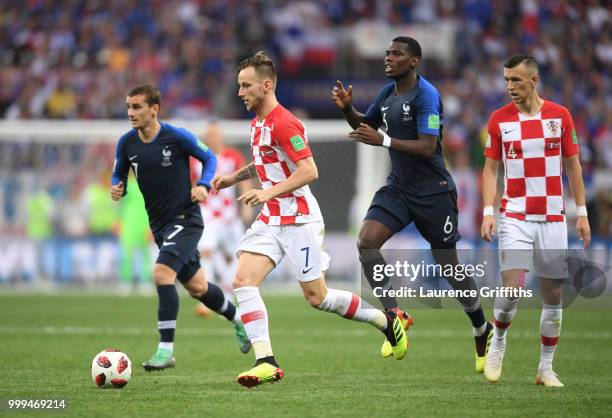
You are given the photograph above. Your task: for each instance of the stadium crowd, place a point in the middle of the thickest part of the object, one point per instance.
(76, 60)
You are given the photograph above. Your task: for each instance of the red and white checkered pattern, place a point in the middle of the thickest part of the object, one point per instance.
(222, 206)
(532, 148)
(275, 158)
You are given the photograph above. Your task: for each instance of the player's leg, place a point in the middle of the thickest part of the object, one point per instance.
(350, 306)
(303, 245)
(386, 216)
(550, 261)
(504, 311)
(164, 277)
(211, 295)
(436, 218)
(482, 330)
(516, 240)
(259, 253)
(550, 330)
(253, 268)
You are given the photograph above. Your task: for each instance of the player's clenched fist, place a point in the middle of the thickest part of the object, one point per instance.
(487, 230)
(117, 191)
(199, 194)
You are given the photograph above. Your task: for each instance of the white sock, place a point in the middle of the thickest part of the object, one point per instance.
(504, 312)
(255, 319)
(166, 346)
(550, 330)
(351, 306)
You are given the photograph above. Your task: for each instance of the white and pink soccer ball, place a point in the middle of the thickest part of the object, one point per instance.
(111, 369)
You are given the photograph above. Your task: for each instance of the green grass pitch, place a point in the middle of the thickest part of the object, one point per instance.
(332, 366)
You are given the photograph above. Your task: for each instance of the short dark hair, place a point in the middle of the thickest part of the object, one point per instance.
(262, 64)
(151, 94)
(412, 45)
(526, 59)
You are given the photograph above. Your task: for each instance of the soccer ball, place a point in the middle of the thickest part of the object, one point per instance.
(111, 369)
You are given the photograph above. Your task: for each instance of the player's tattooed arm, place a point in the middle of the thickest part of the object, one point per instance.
(227, 180)
(245, 173)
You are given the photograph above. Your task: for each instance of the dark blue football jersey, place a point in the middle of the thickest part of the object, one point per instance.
(161, 168)
(403, 117)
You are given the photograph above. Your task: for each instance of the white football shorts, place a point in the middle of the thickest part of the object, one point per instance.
(543, 245)
(302, 244)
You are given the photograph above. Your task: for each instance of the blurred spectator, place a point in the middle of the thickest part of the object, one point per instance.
(77, 59)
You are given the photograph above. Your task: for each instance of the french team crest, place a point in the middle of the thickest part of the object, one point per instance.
(406, 115)
(166, 154)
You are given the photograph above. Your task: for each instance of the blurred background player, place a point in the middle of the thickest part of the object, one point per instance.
(224, 216)
(290, 223)
(534, 137)
(134, 240)
(158, 154)
(419, 188)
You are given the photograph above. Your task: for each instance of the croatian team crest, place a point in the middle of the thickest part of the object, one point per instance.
(166, 153)
(553, 127)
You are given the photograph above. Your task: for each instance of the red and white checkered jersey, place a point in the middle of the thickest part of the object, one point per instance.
(221, 206)
(278, 142)
(532, 148)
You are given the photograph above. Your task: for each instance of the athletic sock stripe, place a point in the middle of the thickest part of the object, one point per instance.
(166, 324)
(350, 312)
(252, 316)
(549, 341)
(502, 325)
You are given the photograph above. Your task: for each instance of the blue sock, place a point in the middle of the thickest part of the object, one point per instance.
(167, 311)
(216, 300)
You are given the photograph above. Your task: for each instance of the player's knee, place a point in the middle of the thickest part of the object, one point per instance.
(241, 280)
(196, 290)
(162, 277)
(367, 242)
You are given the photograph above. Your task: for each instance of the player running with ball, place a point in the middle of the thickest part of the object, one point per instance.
(290, 223)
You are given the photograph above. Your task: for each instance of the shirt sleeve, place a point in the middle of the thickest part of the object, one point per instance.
(569, 139)
(121, 166)
(293, 140)
(428, 112)
(493, 141)
(199, 150)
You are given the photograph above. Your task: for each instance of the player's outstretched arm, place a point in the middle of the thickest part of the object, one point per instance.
(343, 99)
(305, 173)
(489, 189)
(574, 175)
(424, 146)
